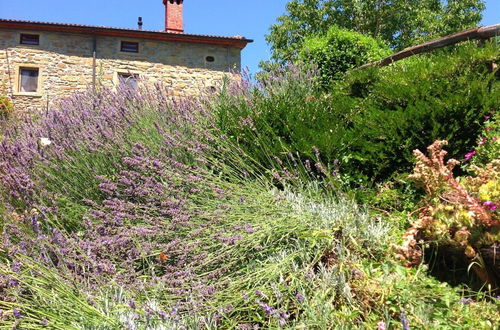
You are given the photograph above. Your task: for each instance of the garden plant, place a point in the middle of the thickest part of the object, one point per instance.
(137, 209)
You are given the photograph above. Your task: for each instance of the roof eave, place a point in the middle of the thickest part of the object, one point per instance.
(114, 32)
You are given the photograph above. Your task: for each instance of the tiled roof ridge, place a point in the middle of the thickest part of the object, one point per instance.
(97, 27)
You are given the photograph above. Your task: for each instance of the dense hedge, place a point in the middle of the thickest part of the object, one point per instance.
(367, 124)
(409, 105)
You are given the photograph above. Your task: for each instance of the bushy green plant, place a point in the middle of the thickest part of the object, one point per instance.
(6, 106)
(414, 102)
(340, 50)
(366, 125)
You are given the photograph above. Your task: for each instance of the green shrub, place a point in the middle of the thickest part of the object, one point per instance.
(339, 51)
(6, 106)
(367, 124)
(414, 102)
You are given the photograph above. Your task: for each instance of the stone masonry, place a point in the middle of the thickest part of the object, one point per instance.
(65, 63)
(42, 62)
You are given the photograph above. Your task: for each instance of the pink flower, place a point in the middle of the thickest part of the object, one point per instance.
(494, 139)
(381, 325)
(483, 141)
(486, 117)
(469, 155)
(489, 128)
(490, 205)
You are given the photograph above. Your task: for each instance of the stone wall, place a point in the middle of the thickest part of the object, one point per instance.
(65, 63)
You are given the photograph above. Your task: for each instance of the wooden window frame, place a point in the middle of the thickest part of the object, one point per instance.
(21, 35)
(124, 49)
(17, 80)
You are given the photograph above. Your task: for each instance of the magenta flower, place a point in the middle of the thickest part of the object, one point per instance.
(483, 141)
(469, 155)
(490, 205)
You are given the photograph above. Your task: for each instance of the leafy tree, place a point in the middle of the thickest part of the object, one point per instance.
(340, 50)
(400, 23)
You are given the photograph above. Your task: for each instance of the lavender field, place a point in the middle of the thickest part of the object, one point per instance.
(137, 210)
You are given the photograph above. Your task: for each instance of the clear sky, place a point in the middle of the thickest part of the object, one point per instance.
(250, 18)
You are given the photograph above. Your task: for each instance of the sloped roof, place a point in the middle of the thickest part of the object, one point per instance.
(236, 41)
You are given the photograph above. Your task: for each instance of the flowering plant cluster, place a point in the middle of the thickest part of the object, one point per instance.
(460, 214)
(488, 146)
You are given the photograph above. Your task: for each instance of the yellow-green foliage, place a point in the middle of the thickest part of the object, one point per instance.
(6, 106)
(490, 191)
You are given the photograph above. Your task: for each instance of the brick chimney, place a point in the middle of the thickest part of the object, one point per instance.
(173, 16)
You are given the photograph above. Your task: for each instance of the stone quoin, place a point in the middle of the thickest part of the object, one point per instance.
(40, 61)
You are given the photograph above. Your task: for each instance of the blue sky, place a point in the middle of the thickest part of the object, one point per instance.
(250, 18)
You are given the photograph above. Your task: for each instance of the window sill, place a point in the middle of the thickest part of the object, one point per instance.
(31, 94)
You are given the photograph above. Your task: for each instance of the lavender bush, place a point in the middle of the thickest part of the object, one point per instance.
(132, 209)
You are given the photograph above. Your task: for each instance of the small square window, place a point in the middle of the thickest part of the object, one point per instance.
(28, 80)
(30, 39)
(128, 80)
(129, 47)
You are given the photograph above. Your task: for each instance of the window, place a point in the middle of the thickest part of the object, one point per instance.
(30, 39)
(128, 80)
(129, 47)
(210, 59)
(28, 80)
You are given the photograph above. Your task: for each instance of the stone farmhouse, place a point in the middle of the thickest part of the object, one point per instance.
(40, 61)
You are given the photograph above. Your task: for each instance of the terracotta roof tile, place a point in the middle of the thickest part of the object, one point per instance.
(105, 30)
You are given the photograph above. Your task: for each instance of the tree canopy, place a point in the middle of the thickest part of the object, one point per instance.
(340, 50)
(400, 23)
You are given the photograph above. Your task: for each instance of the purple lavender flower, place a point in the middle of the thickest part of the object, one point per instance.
(259, 293)
(268, 309)
(163, 315)
(249, 229)
(16, 266)
(466, 301)
(404, 321)
(12, 283)
(16, 313)
(300, 297)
